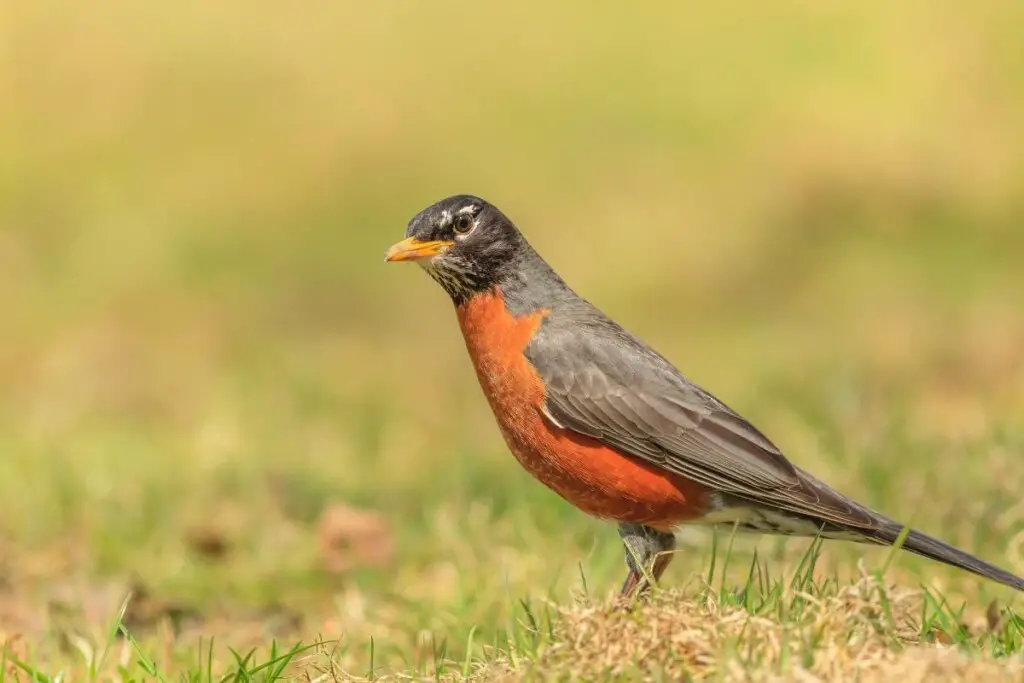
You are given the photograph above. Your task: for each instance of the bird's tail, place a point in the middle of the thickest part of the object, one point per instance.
(933, 548)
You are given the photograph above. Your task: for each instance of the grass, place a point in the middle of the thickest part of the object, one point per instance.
(765, 628)
(216, 399)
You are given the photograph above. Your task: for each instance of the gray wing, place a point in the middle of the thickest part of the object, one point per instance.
(604, 383)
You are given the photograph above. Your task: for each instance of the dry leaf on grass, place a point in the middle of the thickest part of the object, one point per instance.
(208, 542)
(350, 538)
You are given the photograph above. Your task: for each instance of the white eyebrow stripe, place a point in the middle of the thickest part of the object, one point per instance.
(446, 217)
(466, 209)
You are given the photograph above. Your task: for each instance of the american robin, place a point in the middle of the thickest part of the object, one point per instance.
(609, 424)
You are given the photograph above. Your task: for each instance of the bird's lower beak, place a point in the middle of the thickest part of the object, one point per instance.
(412, 249)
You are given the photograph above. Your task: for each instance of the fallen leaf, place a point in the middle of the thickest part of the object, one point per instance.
(350, 538)
(994, 617)
(208, 542)
(146, 611)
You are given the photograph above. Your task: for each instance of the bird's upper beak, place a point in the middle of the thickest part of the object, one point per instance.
(412, 249)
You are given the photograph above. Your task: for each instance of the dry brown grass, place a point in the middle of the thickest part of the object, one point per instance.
(841, 637)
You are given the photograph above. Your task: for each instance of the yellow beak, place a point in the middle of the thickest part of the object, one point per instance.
(412, 249)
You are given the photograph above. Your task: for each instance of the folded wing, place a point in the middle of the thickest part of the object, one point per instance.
(604, 383)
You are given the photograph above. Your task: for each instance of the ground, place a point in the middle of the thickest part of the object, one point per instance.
(221, 412)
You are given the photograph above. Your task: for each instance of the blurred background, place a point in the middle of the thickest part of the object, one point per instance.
(213, 390)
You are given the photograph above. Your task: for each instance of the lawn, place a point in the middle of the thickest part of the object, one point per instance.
(227, 426)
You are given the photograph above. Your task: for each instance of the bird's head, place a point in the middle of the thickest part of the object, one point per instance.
(464, 243)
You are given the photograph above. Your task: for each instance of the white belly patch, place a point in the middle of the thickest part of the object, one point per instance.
(767, 521)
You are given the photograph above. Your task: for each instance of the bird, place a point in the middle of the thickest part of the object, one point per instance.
(609, 424)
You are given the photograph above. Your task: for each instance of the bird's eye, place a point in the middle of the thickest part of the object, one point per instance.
(463, 224)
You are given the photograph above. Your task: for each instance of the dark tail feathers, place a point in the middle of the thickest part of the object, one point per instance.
(932, 548)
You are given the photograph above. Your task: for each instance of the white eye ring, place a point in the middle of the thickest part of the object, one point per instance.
(463, 224)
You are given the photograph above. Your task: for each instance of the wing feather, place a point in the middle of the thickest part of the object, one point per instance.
(604, 383)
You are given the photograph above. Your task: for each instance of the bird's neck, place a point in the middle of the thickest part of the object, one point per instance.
(531, 286)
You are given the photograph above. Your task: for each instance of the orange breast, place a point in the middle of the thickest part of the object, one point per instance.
(598, 479)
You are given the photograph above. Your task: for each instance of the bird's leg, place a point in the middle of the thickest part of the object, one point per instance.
(644, 544)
